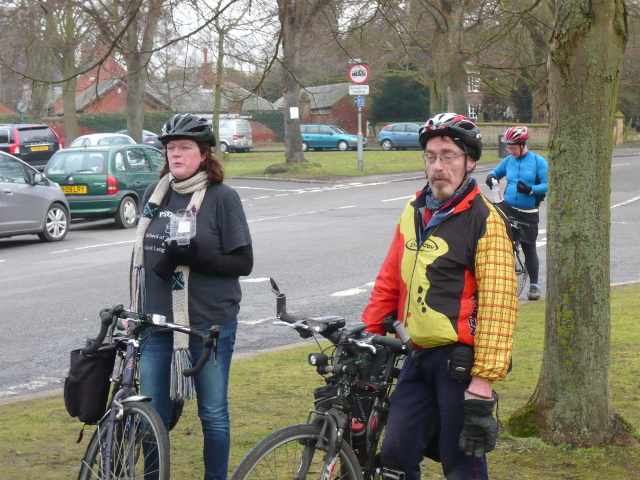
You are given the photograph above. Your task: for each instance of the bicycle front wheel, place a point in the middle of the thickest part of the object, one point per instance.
(139, 447)
(291, 453)
(521, 268)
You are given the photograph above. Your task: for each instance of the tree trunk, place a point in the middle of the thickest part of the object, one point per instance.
(291, 18)
(217, 100)
(70, 112)
(136, 95)
(571, 401)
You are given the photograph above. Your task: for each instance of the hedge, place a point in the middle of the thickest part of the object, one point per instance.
(115, 121)
(273, 119)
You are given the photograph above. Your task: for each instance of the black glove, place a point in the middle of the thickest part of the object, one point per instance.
(489, 181)
(175, 255)
(480, 431)
(524, 188)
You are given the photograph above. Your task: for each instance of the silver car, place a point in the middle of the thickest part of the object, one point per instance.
(30, 203)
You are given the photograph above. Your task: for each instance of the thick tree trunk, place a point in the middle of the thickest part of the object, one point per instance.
(571, 401)
(292, 16)
(136, 95)
(70, 112)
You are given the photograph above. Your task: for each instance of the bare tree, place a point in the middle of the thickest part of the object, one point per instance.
(571, 401)
(129, 28)
(295, 16)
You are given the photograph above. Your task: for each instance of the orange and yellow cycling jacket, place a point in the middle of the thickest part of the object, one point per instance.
(451, 278)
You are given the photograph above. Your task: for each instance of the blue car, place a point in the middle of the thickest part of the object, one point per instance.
(320, 137)
(400, 136)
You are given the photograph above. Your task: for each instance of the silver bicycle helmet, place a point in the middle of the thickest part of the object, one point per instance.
(459, 128)
(187, 126)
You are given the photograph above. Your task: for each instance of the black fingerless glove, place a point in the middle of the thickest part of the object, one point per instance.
(480, 431)
(524, 188)
(175, 255)
(489, 181)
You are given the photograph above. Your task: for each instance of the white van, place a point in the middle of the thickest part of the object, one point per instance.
(235, 134)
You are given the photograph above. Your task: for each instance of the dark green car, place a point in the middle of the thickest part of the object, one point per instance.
(106, 181)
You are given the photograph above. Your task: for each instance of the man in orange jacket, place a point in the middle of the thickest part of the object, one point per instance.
(450, 277)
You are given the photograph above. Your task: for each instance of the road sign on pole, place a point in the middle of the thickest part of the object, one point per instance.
(358, 73)
(358, 89)
(360, 101)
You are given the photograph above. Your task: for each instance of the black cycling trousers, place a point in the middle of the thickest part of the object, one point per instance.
(531, 260)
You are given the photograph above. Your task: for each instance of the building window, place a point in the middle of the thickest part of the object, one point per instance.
(473, 112)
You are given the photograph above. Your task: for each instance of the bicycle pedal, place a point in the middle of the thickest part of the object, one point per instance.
(383, 473)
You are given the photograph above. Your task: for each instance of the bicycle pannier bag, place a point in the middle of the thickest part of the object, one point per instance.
(86, 388)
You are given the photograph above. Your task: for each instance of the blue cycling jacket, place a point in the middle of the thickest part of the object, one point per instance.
(525, 169)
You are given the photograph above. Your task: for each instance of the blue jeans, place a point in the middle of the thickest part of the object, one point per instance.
(211, 391)
(426, 419)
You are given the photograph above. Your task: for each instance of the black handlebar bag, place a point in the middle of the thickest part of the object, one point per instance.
(86, 388)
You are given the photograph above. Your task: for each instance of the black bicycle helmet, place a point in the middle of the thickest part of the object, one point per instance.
(459, 128)
(187, 126)
(516, 136)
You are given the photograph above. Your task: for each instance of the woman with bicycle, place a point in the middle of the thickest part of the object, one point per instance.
(526, 174)
(192, 245)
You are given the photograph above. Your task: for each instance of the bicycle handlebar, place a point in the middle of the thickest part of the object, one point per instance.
(109, 319)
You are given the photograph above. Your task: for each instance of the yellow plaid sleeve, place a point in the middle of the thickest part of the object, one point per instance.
(497, 300)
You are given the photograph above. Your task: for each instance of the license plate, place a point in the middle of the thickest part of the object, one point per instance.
(40, 148)
(74, 188)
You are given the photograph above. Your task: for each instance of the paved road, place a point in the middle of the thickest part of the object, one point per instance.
(323, 243)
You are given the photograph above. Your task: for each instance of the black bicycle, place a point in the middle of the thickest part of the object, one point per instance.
(131, 441)
(521, 267)
(341, 436)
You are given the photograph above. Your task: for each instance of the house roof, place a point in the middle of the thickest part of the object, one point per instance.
(323, 96)
(193, 98)
(97, 91)
(4, 108)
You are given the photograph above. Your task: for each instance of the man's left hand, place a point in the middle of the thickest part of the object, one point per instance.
(524, 188)
(480, 431)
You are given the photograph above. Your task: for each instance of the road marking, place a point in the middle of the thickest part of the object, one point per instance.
(257, 322)
(631, 200)
(349, 293)
(620, 164)
(32, 385)
(399, 198)
(254, 280)
(94, 246)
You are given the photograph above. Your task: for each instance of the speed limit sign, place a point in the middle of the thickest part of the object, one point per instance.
(358, 73)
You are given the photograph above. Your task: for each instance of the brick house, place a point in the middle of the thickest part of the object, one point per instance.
(330, 105)
(6, 109)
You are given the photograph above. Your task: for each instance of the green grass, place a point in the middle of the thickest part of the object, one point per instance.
(272, 390)
(330, 164)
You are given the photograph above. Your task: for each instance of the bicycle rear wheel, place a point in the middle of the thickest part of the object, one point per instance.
(291, 453)
(140, 448)
(521, 267)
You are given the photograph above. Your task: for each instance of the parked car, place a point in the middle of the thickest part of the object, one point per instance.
(400, 136)
(93, 139)
(320, 137)
(235, 134)
(30, 203)
(106, 181)
(33, 143)
(148, 137)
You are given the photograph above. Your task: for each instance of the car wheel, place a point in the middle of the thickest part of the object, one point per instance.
(224, 148)
(127, 214)
(386, 144)
(343, 146)
(305, 146)
(56, 224)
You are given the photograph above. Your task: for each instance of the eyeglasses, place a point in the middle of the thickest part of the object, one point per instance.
(444, 159)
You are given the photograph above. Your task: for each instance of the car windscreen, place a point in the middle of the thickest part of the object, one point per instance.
(339, 130)
(37, 135)
(66, 162)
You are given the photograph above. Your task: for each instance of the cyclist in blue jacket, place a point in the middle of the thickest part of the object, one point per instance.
(526, 174)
